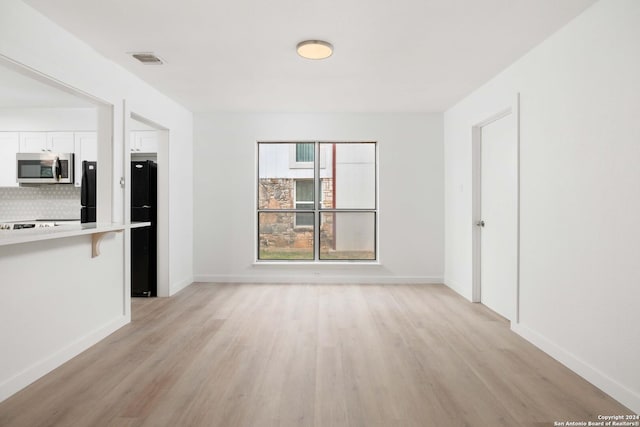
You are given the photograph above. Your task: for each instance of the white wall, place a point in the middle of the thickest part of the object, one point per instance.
(28, 38)
(410, 194)
(580, 194)
(48, 119)
(50, 312)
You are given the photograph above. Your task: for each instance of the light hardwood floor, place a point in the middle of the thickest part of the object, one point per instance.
(310, 355)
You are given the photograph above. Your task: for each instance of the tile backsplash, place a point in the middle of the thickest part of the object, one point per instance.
(39, 202)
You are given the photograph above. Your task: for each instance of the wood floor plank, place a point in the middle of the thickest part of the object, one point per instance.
(309, 355)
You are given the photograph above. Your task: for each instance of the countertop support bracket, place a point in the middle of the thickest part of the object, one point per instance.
(96, 239)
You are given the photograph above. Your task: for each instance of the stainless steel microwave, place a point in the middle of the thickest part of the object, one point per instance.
(44, 168)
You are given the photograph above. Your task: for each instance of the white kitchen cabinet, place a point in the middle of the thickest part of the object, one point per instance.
(144, 141)
(55, 142)
(84, 145)
(33, 142)
(9, 146)
(60, 142)
(86, 148)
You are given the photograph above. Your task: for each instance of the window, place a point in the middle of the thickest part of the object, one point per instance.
(304, 152)
(304, 201)
(302, 155)
(326, 211)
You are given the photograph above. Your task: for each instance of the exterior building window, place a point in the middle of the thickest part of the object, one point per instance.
(304, 152)
(304, 201)
(317, 201)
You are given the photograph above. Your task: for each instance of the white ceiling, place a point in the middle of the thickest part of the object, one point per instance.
(20, 91)
(390, 55)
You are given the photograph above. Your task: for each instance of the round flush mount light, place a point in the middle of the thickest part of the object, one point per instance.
(314, 49)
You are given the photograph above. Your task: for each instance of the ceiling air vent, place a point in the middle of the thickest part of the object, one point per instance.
(147, 58)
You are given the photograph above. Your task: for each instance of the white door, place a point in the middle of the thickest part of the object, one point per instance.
(499, 213)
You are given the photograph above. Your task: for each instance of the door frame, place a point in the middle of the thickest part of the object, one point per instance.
(163, 250)
(476, 142)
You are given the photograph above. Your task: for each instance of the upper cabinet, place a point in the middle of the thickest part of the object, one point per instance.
(9, 146)
(61, 142)
(55, 142)
(33, 142)
(144, 141)
(84, 146)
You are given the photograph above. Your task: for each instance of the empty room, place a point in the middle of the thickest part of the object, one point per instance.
(339, 213)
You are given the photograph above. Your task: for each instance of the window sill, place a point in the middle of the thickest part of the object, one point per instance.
(269, 263)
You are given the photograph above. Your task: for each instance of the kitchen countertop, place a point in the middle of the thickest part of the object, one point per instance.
(13, 237)
(66, 221)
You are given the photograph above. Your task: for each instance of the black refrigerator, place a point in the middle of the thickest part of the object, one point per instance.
(88, 192)
(144, 190)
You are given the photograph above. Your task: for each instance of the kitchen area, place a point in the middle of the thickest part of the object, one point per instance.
(41, 129)
(66, 286)
(69, 261)
(48, 164)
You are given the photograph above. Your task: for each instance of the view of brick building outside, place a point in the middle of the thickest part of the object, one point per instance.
(279, 230)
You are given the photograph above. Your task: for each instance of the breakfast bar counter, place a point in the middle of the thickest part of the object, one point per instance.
(13, 237)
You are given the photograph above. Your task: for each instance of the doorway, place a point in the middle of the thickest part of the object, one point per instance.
(148, 140)
(496, 212)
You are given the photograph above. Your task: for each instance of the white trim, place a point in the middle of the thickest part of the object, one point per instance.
(126, 209)
(313, 278)
(106, 191)
(292, 263)
(178, 286)
(48, 364)
(517, 296)
(455, 286)
(163, 249)
(256, 202)
(476, 203)
(620, 392)
(48, 80)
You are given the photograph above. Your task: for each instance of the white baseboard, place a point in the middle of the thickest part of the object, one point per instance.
(218, 278)
(613, 388)
(177, 287)
(455, 286)
(49, 363)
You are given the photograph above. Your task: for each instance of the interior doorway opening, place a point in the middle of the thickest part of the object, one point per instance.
(147, 143)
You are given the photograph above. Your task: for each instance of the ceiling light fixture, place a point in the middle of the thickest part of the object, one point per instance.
(314, 49)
